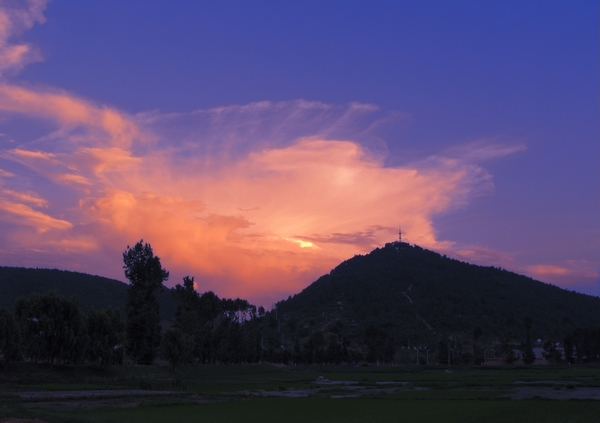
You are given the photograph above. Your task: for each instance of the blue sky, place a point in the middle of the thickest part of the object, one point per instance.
(494, 104)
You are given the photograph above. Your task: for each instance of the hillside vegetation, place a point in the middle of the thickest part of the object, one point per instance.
(376, 308)
(90, 290)
(422, 296)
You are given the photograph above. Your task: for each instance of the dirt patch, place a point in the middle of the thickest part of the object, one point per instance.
(333, 389)
(69, 400)
(555, 394)
(98, 394)
(13, 420)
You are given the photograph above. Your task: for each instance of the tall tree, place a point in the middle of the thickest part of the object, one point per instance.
(528, 354)
(106, 331)
(478, 357)
(10, 337)
(53, 327)
(146, 275)
(188, 322)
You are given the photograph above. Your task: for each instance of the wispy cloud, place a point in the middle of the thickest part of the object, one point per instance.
(22, 214)
(567, 273)
(6, 174)
(482, 150)
(108, 126)
(15, 18)
(23, 197)
(484, 256)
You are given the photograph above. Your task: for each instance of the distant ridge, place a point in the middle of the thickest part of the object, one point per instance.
(422, 296)
(91, 290)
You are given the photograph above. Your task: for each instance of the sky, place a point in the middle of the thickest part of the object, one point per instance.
(256, 145)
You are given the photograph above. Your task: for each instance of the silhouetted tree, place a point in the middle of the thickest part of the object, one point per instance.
(380, 344)
(188, 317)
(477, 352)
(507, 350)
(176, 346)
(146, 275)
(528, 354)
(569, 348)
(106, 331)
(551, 353)
(10, 337)
(466, 357)
(443, 353)
(583, 345)
(53, 327)
(313, 348)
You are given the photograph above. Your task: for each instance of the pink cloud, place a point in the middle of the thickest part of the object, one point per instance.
(23, 197)
(15, 18)
(23, 215)
(274, 214)
(256, 200)
(71, 113)
(259, 221)
(6, 174)
(483, 256)
(567, 273)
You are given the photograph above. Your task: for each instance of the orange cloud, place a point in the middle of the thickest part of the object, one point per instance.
(214, 246)
(70, 112)
(248, 217)
(263, 223)
(104, 160)
(24, 197)
(548, 270)
(255, 200)
(22, 214)
(484, 256)
(72, 179)
(571, 272)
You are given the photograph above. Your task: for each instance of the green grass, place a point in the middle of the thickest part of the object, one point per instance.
(213, 393)
(317, 410)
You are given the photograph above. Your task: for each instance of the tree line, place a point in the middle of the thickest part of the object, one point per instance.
(207, 329)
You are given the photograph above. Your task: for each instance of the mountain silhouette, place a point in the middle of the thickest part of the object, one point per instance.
(421, 296)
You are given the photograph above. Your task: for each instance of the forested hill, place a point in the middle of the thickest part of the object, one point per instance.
(423, 296)
(92, 291)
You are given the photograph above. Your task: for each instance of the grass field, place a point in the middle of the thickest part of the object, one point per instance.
(357, 410)
(264, 393)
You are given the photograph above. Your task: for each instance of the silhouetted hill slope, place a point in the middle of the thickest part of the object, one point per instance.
(92, 291)
(425, 297)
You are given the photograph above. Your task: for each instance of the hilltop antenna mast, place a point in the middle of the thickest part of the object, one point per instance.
(399, 233)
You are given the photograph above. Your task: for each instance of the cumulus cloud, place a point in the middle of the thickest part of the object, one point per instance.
(255, 200)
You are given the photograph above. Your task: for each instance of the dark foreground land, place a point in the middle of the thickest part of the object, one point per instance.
(265, 393)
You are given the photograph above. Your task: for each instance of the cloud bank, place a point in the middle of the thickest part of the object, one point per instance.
(254, 200)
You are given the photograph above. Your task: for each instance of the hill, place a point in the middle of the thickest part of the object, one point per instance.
(92, 291)
(423, 297)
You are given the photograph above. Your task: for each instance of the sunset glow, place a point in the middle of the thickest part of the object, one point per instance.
(256, 200)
